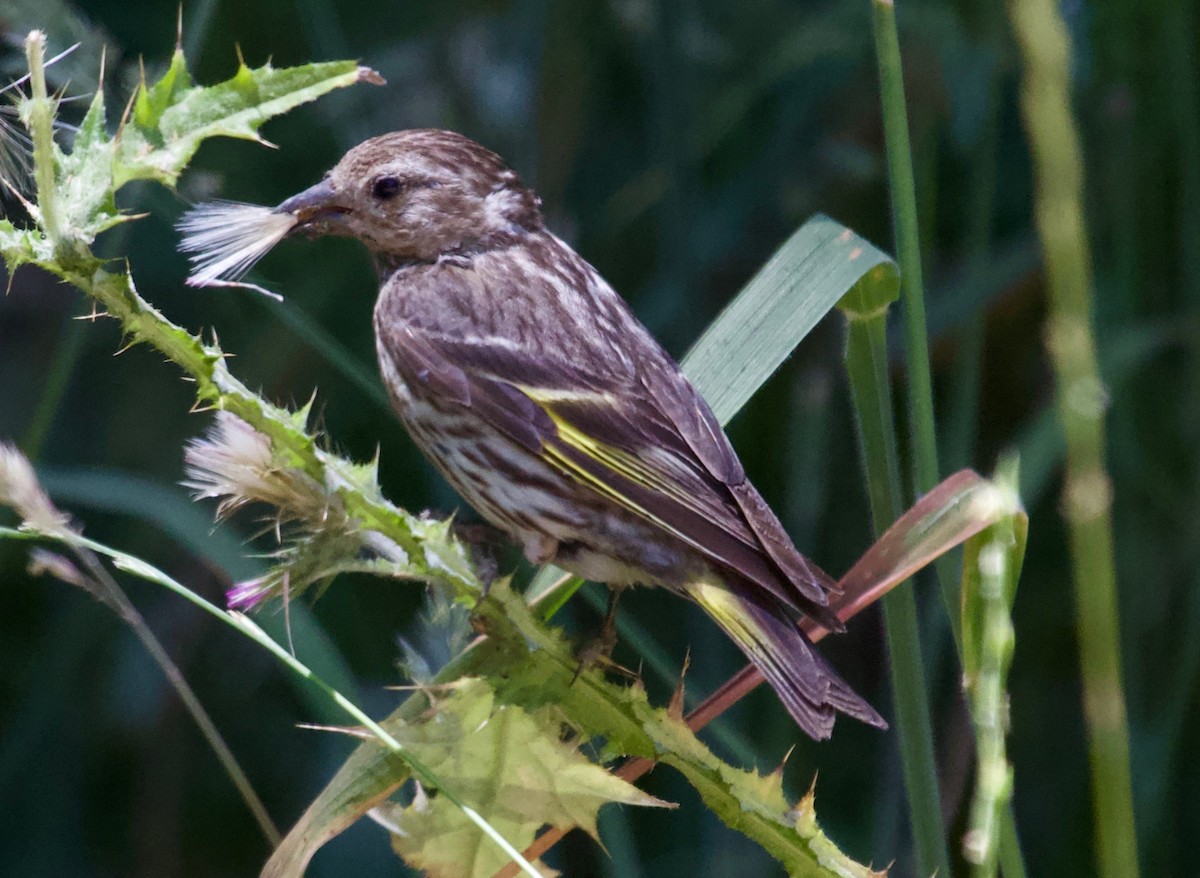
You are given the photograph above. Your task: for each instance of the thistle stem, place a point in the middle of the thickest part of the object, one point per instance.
(39, 119)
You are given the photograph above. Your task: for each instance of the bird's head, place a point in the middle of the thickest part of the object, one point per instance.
(418, 195)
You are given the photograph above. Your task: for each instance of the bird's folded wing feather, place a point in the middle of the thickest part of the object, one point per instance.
(647, 449)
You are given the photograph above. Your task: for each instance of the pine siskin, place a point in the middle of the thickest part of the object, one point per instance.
(529, 383)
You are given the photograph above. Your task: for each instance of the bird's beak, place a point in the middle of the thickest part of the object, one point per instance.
(316, 209)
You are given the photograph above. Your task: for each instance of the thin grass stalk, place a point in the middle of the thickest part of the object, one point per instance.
(245, 625)
(866, 362)
(898, 146)
(107, 589)
(908, 245)
(1087, 493)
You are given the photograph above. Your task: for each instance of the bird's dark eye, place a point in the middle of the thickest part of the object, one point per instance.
(386, 187)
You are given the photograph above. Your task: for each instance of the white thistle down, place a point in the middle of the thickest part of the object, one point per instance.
(235, 465)
(224, 239)
(20, 490)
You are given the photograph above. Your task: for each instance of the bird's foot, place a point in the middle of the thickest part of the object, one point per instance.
(598, 650)
(481, 539)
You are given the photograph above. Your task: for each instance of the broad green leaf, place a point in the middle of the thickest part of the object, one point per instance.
(800, 284)
(171, 118)
(515, 770)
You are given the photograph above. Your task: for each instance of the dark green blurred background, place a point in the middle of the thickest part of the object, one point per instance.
(675, 144)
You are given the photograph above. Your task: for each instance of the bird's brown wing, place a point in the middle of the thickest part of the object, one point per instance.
(648, 449)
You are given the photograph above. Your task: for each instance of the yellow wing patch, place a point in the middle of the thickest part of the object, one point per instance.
(620, 462)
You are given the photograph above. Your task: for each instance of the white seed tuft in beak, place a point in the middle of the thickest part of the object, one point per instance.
(224, 239)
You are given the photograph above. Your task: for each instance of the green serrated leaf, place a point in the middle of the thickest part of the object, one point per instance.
(152, 101)
(22, 246)
(172, 117)
(85, 184)
(512, 766)
(92, 129)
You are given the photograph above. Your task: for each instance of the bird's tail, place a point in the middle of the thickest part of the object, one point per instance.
(808, 686)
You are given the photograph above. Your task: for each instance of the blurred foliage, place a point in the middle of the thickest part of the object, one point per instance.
(676, 145)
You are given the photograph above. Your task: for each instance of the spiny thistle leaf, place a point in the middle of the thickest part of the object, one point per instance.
(513, 766)
(84, 176)
(171, 118)
(540, 670)
(152, 101)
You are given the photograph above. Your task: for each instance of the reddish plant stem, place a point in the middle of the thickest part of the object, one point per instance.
(885, 565)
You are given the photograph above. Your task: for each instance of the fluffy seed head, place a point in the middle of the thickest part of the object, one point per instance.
(20, 490)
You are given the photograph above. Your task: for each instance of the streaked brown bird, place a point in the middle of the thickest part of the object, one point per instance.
(531, 386)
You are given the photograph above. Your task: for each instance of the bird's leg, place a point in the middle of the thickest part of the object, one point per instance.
(599, 648)
(481, 537)
(608, 630)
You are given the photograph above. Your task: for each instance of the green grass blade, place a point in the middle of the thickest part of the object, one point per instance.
(171, 511)
(866, 364)
(760, 328)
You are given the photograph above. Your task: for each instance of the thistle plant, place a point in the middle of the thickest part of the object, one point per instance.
(519, 688)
